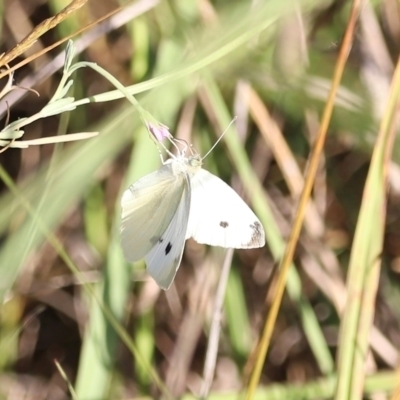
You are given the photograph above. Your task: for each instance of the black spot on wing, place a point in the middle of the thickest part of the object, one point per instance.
(168, 248)
(257, 235)
(223, 224)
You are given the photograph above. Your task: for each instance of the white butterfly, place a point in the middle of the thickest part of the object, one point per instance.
(179, 201)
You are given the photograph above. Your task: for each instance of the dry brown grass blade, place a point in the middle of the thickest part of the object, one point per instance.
(396, 392)
(56, 44)
(284, 157)
(300, 212)
(39, 30)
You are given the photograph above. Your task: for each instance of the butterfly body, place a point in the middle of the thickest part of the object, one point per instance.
(178, 201)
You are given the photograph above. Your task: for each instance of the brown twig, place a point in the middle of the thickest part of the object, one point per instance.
(39, 30)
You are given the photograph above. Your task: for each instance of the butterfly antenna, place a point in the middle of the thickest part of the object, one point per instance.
(219, 139)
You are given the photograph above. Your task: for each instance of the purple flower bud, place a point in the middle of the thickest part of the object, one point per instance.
(159, 132)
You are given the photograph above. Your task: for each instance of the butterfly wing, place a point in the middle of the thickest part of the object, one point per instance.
(164, 258)
(148, 207)
(219, 217)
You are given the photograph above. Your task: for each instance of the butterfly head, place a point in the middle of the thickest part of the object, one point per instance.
(195, 161)
(192, 161)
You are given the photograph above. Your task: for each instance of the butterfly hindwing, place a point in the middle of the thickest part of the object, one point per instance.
(148, 207)
(219, 217)
(164, 258)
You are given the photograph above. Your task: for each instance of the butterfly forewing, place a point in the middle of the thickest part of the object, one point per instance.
(148, 208)
(219, 217)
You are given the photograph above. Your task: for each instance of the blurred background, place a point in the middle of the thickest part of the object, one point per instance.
(193, 65)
